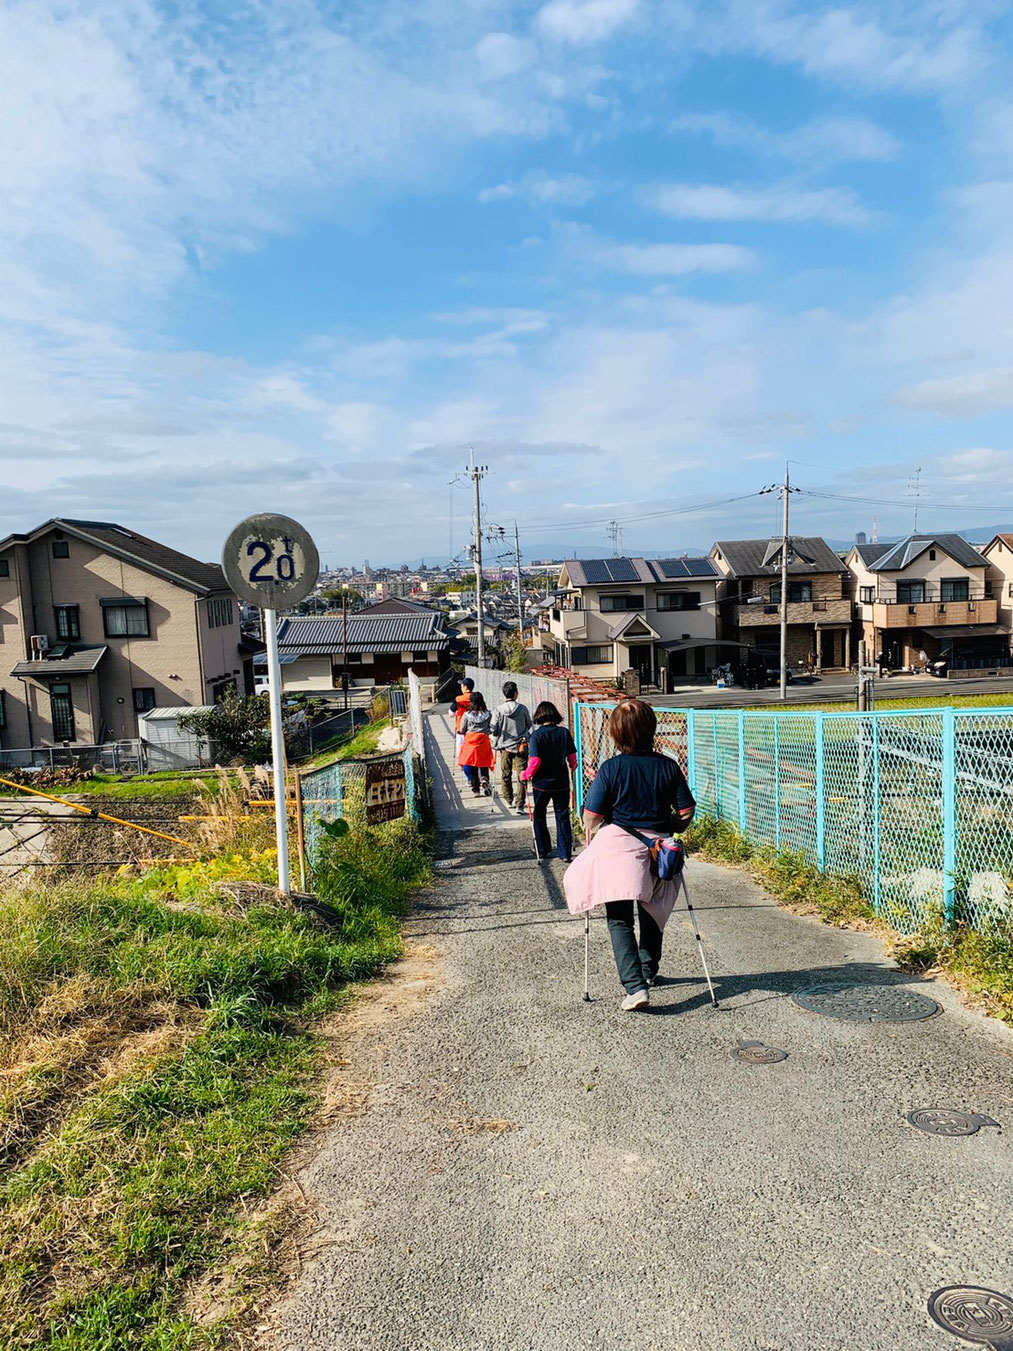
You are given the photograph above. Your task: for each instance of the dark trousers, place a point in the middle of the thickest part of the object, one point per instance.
(510, 763)
(560, 799)
(474, 775)
(637, 963)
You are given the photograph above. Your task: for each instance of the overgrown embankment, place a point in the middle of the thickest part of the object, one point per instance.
(980, 962)
(158, 1056)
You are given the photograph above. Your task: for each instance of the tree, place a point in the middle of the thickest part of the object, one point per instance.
(335, 594)
(236, 729)
(515, 654)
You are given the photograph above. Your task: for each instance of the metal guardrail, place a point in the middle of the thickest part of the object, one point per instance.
(917, 806)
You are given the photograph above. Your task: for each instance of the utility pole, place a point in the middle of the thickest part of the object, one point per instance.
(520, 591)
(344, 644)
(477, 472)
(785, 493)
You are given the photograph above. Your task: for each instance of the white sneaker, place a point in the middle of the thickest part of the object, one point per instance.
(639, 999)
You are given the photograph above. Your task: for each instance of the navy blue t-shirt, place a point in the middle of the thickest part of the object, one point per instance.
(552, 745)
(642, 791)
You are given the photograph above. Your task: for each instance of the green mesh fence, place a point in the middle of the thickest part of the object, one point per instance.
(338, 792)
(917, 806)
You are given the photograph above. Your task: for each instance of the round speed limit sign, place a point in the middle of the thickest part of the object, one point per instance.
(270, 561)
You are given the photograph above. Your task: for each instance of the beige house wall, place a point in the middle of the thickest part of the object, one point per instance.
(1000, 574)
(168, 660)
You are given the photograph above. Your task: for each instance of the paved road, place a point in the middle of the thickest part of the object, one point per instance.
(514, 1168)
(830, 689)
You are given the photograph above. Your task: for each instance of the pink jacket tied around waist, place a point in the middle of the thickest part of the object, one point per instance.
(617, 867)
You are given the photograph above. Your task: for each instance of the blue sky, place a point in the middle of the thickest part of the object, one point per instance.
(637, 253)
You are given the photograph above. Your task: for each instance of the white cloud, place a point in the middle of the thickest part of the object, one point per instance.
(671, 260)
(546, 189)
(584, 21)
(712, 201)
(501, 55)
(823, 140)
(855, 46)
(962, 396)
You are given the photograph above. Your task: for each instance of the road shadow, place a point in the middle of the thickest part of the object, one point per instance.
(767, 985)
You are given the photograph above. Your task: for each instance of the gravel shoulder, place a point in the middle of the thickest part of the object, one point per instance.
(519, 1169)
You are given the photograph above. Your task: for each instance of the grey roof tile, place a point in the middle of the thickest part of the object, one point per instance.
(747, 557)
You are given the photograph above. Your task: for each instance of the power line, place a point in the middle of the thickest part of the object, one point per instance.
(608, 521)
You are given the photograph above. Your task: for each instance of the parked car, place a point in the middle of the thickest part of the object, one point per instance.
(774, 675)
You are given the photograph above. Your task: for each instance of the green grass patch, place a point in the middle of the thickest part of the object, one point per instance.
(158, 1056)
(364, 742)
(980, 961)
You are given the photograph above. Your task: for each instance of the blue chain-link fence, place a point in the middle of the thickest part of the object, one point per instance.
(917, 806)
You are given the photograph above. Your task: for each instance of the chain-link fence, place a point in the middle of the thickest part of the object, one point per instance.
(917, 806)
(341, 791)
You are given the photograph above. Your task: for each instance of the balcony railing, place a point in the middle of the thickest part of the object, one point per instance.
(931, 595)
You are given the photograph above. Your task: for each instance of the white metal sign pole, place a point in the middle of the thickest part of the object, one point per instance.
(270, 561)
(277, 749)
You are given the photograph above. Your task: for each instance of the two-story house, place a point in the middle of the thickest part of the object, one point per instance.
(925, 599)
(998, 554)
(610, 615)
(99, 624)
(819, 602)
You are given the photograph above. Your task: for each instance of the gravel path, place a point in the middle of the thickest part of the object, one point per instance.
(514, 1168)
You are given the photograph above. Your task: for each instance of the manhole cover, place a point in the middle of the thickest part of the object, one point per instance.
(948, 1121)
(755, 1053)
(975, 1314)
(867, 1003)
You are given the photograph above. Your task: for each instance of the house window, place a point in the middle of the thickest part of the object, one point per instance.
(219, 612)
(221, 688)
(866, 594)
(797, 592)
(420, 656)
(591, 656)
(5, 567)
(61, 712)
(125, 617)
(954, 588)
(910, 593)
(678, 600)
(144, 699)
(355, 658)
(614, 602)
(3, 710)
(68, 622)
(61, 549)
(932, 555)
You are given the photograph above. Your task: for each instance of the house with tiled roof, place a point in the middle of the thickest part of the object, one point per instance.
(100, 624)
(925, 599)
(654, 616)
(375, 646)
(819, 601)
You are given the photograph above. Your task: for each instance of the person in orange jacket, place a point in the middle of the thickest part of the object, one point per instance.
(459, 705)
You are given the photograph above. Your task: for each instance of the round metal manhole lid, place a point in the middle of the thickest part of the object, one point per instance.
(756, 1053)
(867, 1003)
(976, 1314)
(948, 1121)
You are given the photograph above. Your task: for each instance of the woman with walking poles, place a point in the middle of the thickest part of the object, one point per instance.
(636, 798)
(551, 756)
(475, 751)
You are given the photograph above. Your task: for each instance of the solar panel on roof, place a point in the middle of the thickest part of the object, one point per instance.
(672, 567)
(595, 570)
(699, 567)
(621, 570)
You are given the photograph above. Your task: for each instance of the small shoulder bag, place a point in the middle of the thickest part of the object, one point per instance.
(667, 855)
